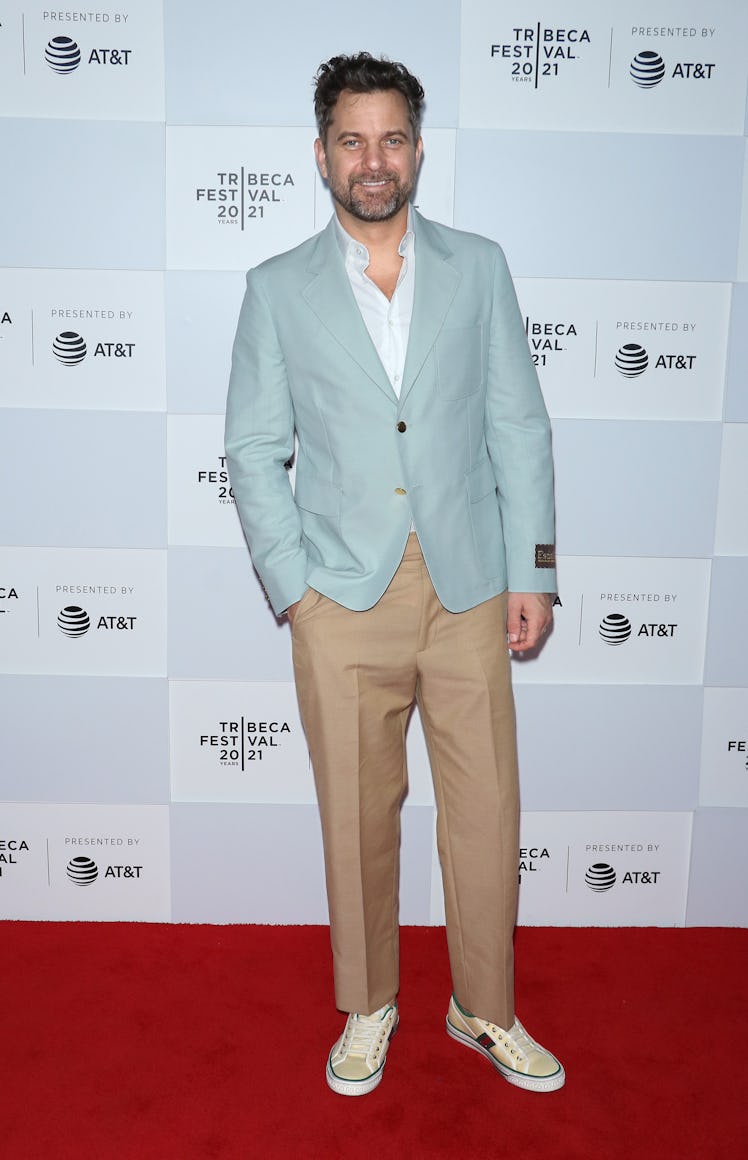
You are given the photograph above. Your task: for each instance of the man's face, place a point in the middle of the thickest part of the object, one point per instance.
(369, 158)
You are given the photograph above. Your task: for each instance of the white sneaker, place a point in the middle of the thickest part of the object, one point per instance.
(513, 1053)
(356, 1062)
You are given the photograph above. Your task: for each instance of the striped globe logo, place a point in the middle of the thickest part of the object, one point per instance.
(69, 348)
(647, 69)
(82, 871)
(615, 628)
(62, 54)
(600, 877)
(632, 360)
(73, 621)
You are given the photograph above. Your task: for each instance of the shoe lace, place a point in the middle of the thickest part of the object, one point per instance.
(361, 1035)
(516, 1039)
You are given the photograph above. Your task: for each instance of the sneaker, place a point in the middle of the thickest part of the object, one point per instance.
(357, 1060)
(514, 1053)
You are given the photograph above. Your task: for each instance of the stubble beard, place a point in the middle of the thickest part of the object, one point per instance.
(369, 207)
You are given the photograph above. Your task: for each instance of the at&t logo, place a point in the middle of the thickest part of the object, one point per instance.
(601, 877)
(63, 55)
(616, 629)
(648, 68)
(73, 621)
(83, 871)
(632, 360)
(70, 349)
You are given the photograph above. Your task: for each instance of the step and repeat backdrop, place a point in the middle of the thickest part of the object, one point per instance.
(153, 763)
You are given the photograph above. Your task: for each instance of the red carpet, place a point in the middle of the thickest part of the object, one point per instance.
(132, 1042)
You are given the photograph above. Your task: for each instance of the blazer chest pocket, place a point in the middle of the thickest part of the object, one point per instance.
(459, 361)
(317, 495)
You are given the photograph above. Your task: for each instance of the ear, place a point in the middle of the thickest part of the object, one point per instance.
(319, 153)
(419, 153)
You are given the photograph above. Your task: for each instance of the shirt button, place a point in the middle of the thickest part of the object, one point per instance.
(400, 491)
(397, 378)
(402, 426)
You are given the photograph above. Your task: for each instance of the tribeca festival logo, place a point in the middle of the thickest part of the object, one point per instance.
(10, 849)
(736, 748)
(547, 339)
(536, 54)
(240, 743)
(532, 859)
(217, 477)
(241, 196)
(616, 628)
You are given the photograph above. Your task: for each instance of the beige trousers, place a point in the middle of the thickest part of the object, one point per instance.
(357, 676)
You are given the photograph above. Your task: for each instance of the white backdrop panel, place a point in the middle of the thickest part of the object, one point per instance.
(202, 510)
(724, 750)
(538, 66)
(238, 742)
(107, 211)
(601, 205)
(85, 863)
(83, 477)
(82, 339)
(628, 350)
(85, 610)
(626, 620)
(727, 655)
(201, 312)
(731, 538)
(719, 869)
(82, 62)
(85, 738)
(630, 489)
(220, 624)
(599, 869)
(736, 401)
(258, 68)
(608, 747)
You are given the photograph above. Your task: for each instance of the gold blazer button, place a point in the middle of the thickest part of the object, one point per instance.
(400, 491)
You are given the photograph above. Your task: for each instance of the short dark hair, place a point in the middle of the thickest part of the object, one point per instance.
(364, 73)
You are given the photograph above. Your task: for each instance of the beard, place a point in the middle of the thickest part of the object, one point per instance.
(372, 205)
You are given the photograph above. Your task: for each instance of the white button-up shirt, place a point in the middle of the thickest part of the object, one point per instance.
(387, 320)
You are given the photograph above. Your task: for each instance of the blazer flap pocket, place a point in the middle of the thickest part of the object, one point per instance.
(481, 481)
(317, 495)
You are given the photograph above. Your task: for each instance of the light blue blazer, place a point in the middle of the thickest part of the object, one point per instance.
(464, 452)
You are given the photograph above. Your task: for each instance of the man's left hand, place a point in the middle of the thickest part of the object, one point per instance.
(529, 616)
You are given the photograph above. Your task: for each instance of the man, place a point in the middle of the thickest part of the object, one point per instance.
(394, 347)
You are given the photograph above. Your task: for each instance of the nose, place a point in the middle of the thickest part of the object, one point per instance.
(372, 159)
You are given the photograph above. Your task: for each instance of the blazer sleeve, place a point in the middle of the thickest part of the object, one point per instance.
(519, 444)
(259, 442)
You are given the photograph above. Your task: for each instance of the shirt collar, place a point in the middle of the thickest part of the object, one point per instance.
(356, 251)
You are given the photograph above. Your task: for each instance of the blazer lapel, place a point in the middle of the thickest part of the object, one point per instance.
(436, 286)
(329, 295)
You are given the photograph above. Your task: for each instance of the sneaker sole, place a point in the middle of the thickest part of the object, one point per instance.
(357, 1087)
(550, 1083)
(352, 1087)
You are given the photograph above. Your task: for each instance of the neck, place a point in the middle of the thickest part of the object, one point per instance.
(376, 236)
